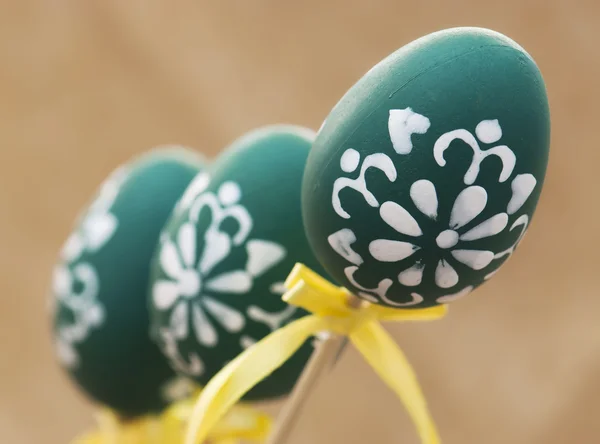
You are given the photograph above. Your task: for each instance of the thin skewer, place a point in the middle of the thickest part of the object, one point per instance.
(328, 351)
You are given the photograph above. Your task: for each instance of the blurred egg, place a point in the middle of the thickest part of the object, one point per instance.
(100, 285)
(219, 272)
(425, 176)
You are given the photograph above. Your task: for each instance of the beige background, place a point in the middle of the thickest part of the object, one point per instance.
(84, 85)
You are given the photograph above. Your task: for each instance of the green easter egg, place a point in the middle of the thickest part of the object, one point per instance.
(100, 286)
(219, 272)
(425, 176)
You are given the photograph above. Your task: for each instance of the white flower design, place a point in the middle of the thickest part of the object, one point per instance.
(191, 288)
(95, 229)
(487, 131)
(468, 205)
(452, 240)
(273, 321)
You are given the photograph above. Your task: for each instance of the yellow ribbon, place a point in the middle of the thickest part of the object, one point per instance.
(111, 430)
(331, 312)
(241, 423)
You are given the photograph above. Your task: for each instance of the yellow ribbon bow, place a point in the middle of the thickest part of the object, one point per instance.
(241, 423)
(331, 312)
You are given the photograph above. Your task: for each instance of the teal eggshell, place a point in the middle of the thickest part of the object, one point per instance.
(219, 272)
(100, 285)
(425, 176)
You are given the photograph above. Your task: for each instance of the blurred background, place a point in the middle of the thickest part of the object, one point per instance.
(86, 85)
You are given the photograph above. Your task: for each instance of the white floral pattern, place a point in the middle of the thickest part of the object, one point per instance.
(487, 131)
(452, 240)
(468, 205)
(96, 227)
(273, 321)
(191, 289)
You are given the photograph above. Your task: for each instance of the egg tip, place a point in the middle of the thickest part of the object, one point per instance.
(173, 151)
(253, 136)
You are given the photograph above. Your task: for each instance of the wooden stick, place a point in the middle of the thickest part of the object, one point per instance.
(328, 350)
(320, 361)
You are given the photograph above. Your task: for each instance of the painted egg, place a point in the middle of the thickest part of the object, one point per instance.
(425, 176)
(100, 286)
(219, 272)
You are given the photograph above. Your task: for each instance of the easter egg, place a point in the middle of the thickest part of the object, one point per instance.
(100, 285)
(218, 274)
(425, 176)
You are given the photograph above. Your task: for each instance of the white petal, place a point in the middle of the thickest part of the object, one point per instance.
(229, 193)
(194, 189)
(62, 281)
(424, 196)
(216, 248)
(402, 124)
(475, 259)
(74, 333)
(416, 299)
(487, 228)
(109, 189)
(66, 354)
(169, 259)
(164, 294)
(106, 197)
(341, 241)
(522, 187)
(349, 160)
(231, 319)
(196, 366)
(278, 288)
(247, 342)
(488, 131)
(490, 275)
(205, 332)
(238, 282)
(391, 251)
(412, 276)
(399, 219)
(95, 315)
(98, 229)
(179, 321)
(263, 255)
(186, 239)
(73, 247)
(452, 297)
(445, 275)
(468, 205)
